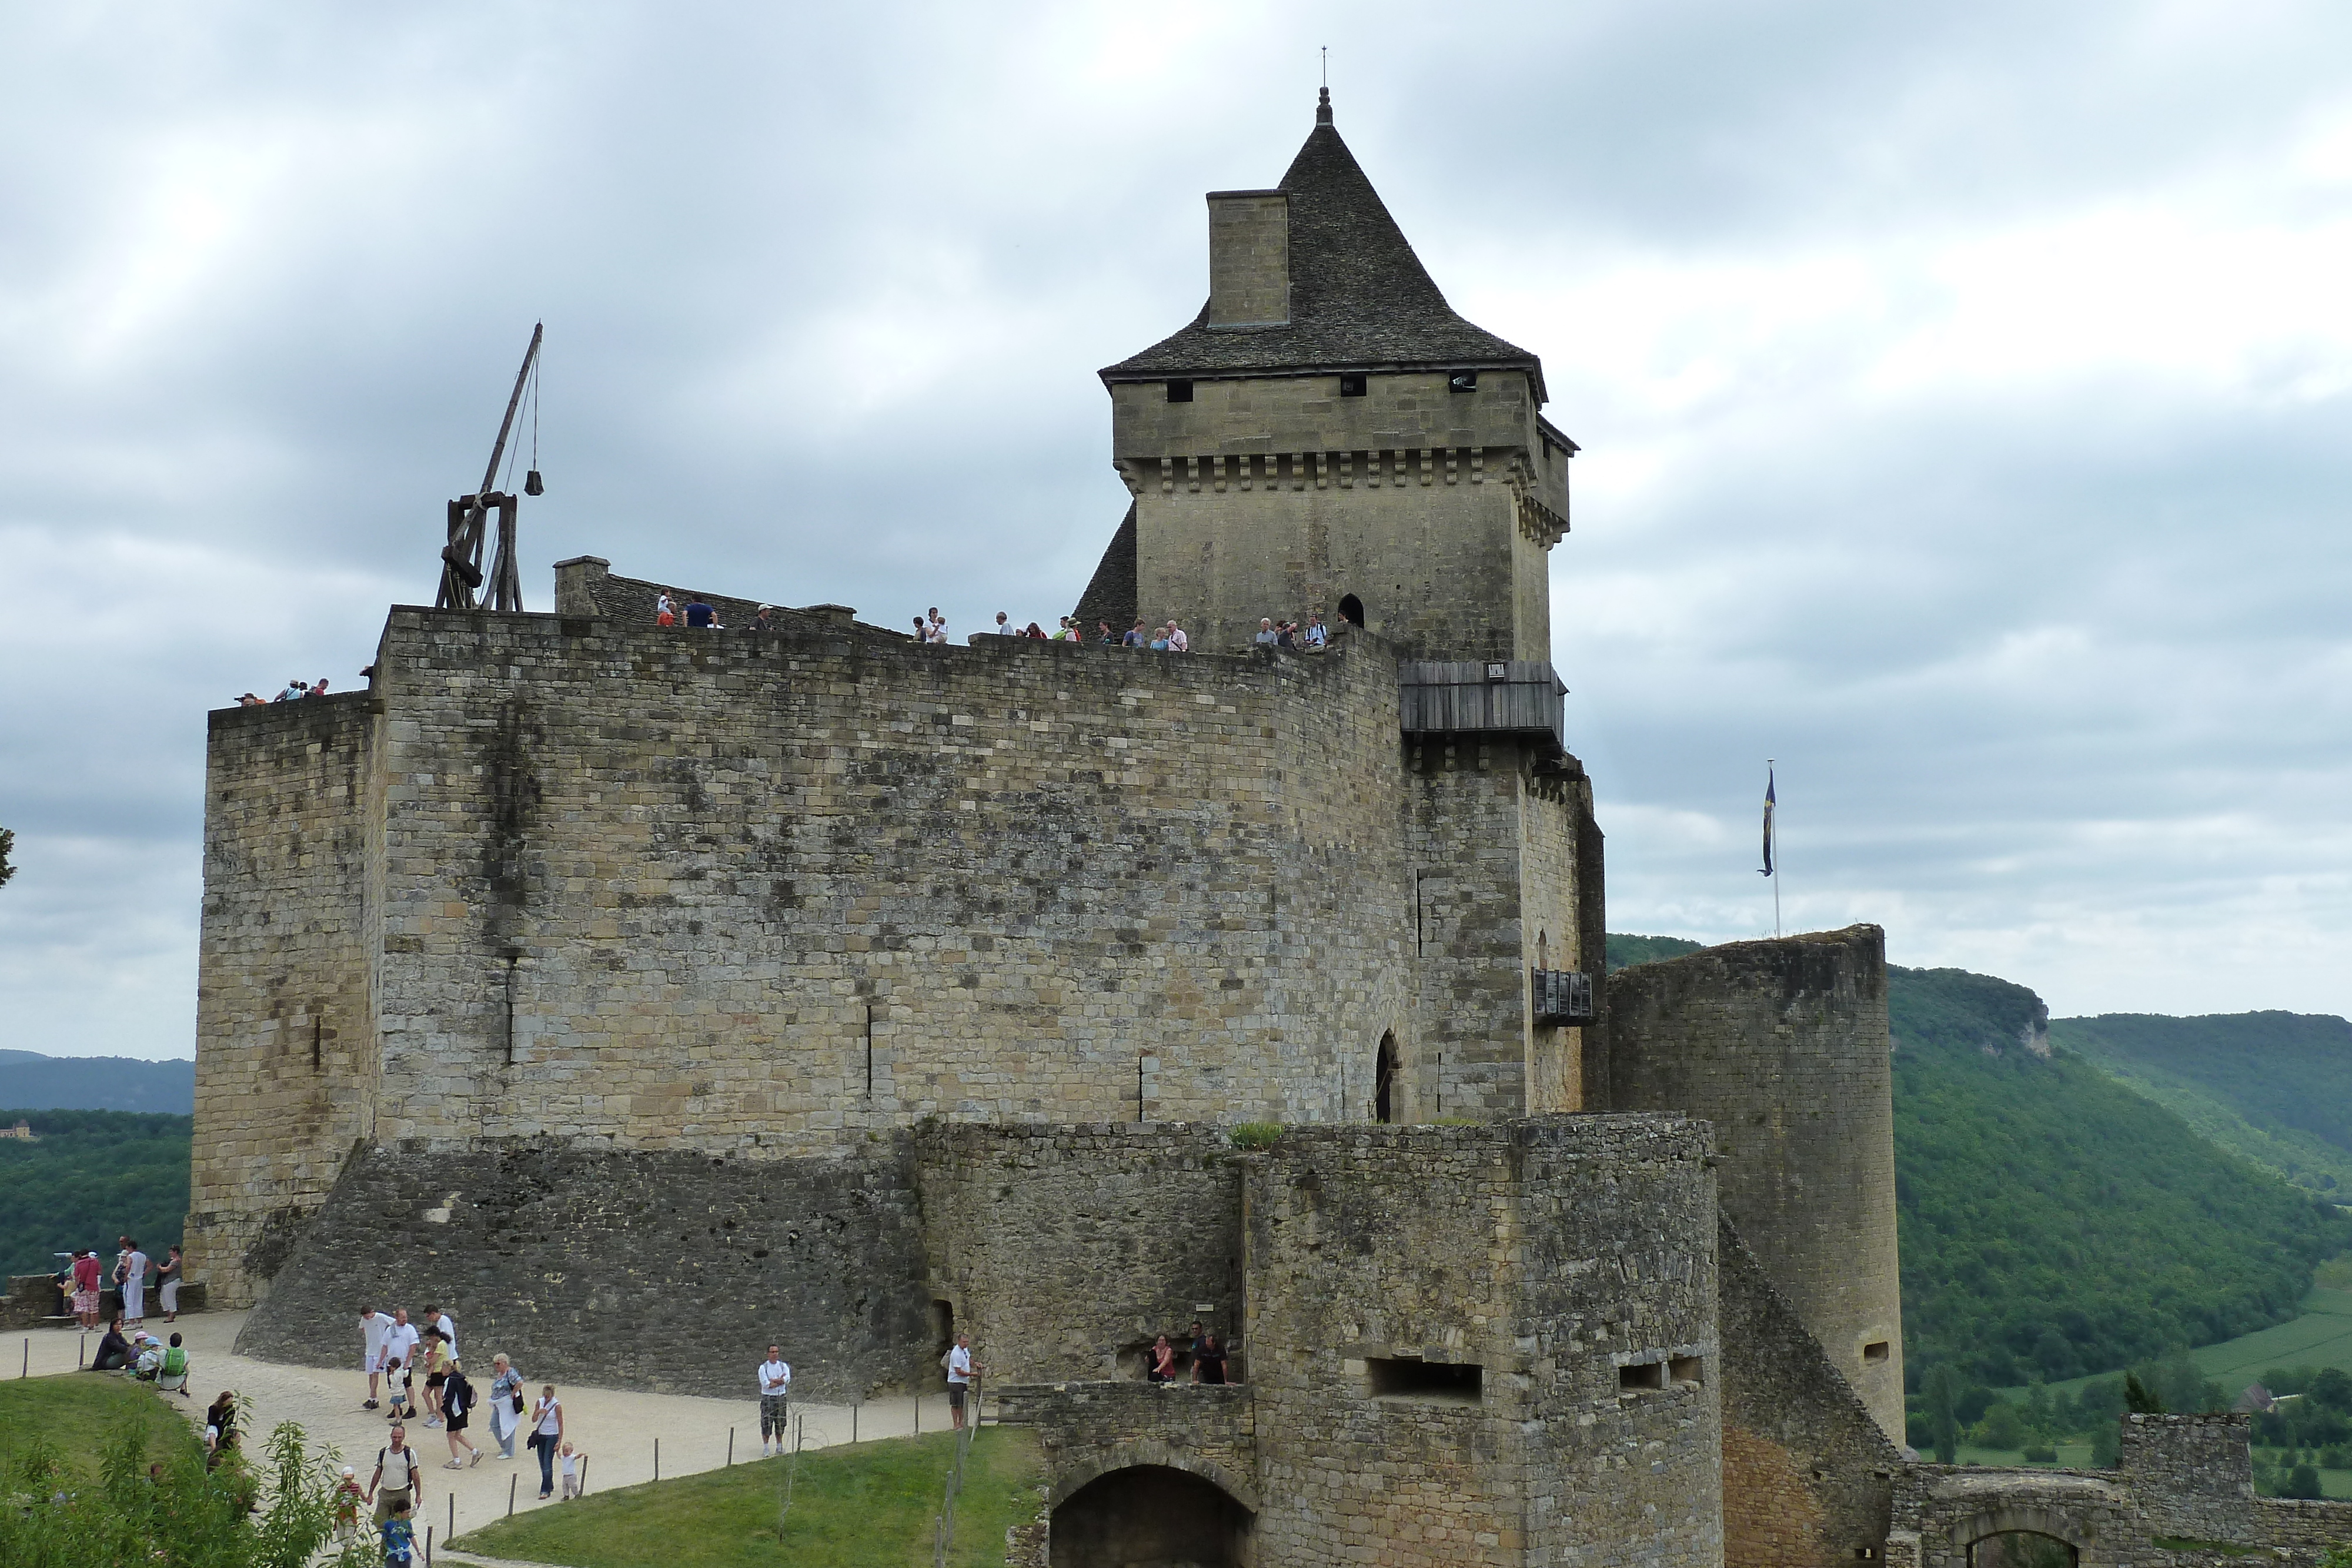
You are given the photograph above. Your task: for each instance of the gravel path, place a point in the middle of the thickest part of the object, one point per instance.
(616, 1428)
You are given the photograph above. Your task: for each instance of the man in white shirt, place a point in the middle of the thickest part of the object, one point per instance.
(441, 1320)
(375, 1331)
(775, 1385)
(1177, 641)
(398, 1477)
(1004, 624)
(961, 1376)
(400, 1340)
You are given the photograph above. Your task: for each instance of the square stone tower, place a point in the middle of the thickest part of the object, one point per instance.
(1328, 435)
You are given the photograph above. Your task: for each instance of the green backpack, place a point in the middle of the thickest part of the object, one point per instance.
(176, 1362)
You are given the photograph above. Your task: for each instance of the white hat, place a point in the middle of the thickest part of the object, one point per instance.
(349, 1472)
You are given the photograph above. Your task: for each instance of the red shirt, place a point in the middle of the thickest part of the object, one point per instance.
(86, 1273)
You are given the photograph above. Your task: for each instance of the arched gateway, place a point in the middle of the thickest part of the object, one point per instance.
(1150, 1516)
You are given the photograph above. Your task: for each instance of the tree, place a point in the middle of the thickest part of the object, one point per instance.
(2333, 1388)
(2302, 1482)
(7, 843)
(1942, 1388)
(2137, 1399)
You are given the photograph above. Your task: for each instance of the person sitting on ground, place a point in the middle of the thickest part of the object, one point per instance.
(1162, 1366)
(114, 1351)
(220, 1421)
(171, 1376)
(148, 1359)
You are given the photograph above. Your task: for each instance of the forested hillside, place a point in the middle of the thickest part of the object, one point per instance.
(2053, 1221)
(30, 1081)
(2274, 1088)
(87, 1178)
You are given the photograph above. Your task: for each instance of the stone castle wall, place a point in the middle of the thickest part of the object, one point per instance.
(720, 876)
(286, 1038)
(1549, 1254)
(1782, 1045)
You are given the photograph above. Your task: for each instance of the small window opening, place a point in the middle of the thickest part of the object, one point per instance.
(1179, 392)
(1875, 1351)
(1351, 611)
(1683, 1371)
(1641, 1375)
(1434, 1382)
(1351, 386)
(1462, 381)
(1384, 1071)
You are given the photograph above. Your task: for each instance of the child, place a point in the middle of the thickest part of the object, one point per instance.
(396, 1378)
(571, 1472)
(399, 1538)
(347, 1507)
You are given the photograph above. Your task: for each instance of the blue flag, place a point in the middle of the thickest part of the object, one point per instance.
(1768, 823)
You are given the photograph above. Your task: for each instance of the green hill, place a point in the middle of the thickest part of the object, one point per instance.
(32, 1082)
(2274, 1089)
(2054, 1222)
(87, 1178)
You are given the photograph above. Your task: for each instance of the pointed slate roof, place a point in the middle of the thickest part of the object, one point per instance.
(1359, 298)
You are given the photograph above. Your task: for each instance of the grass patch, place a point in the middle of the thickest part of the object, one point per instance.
(1256, 1134)
(78, 1413)
(867, 1505)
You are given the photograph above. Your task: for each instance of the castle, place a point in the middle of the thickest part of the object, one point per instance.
(644, 989)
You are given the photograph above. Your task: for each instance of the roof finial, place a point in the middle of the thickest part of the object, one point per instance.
(1323, 103)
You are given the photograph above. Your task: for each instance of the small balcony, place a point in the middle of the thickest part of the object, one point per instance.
(1516, 698)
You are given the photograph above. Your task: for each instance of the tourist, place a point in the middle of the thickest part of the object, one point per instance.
(86, 1271)
(114, 1350)
(506, 1403)
(1036, 633)
(448, 1327)
(939, 625)
(1110, 639)
(249, 700)
(317, 690)
(546, 1432)
(294, 688)
(1135, 637)
(1162, 1368)
(1159, 641)
(1208, 1360)
(765, 619)
(397, 1382)
(437, 1362)
(702, 617)
(171, 1376)
(572, 1463)
(1266, 635)
(1315, 636)
(399, 1537)
(1067, 632)
(348, 1498)
(220, 1422)
(148, 1365)
(399, 1479)
(170, 1271)
(1286, 635)
(458, 1410)
(1005, 625)
(375, 1331)
(400, 1340)
(922, 630)
(776, 1384)
(665, 612)
(961, 1373)
(1177, 641)
(134, 1284)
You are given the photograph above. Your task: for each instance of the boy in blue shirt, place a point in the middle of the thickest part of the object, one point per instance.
(399, 1538)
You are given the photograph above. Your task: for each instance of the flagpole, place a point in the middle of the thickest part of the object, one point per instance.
(1775, 859)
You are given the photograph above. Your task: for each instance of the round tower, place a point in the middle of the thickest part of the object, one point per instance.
(1783, 1046)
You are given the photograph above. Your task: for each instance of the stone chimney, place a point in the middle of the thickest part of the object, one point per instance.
(1249, 259)
(575, 584)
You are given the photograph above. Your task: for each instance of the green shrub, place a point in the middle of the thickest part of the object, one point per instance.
(1254, 1134)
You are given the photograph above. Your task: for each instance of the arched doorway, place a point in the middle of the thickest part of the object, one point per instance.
(2020, 1549)
(1150, 1516)
(1352, 609)
(1384, 1076)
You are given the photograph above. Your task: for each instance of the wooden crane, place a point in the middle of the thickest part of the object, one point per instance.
(461, 558)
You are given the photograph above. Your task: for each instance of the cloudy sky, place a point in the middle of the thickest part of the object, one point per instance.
(1963, 390)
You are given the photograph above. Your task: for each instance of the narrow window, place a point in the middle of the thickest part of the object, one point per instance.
(1351, 386)
(1384, 1071)
(1462, 381)
(1640, 1376)
(1875, 1350)
(1683, 1371)
(1179, 392)
(1432, 1382)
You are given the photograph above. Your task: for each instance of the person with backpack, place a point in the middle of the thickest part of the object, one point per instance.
(172, 1373)
(399, 1479)
(456, 1408)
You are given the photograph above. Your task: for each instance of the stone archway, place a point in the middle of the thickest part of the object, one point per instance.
(1150, 1516)
(2013, 1537)
(2022, 1549)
